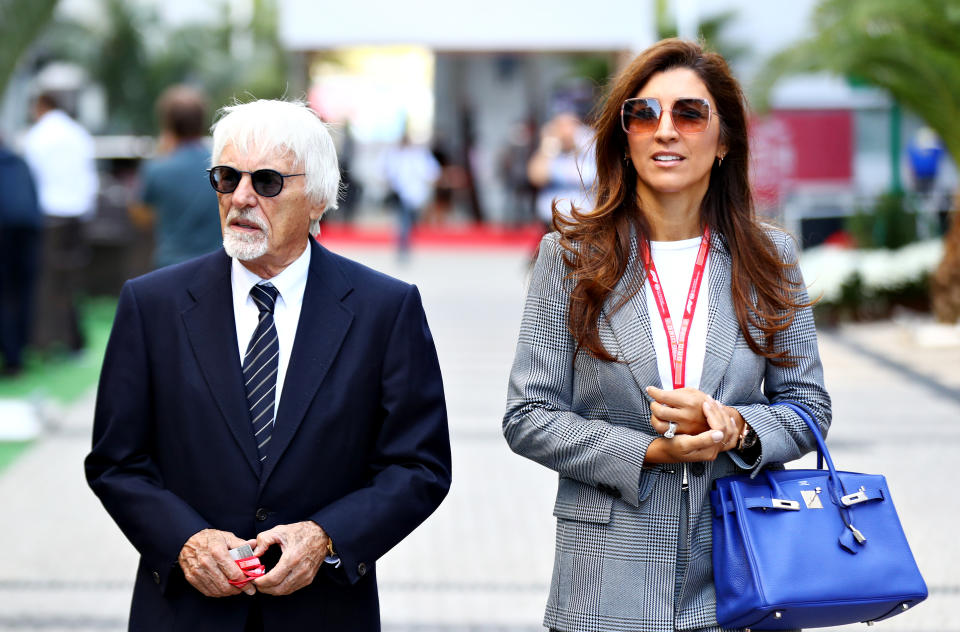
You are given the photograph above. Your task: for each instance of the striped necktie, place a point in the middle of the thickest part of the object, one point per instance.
(260, 365)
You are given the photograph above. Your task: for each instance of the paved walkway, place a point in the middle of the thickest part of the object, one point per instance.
(482, 563)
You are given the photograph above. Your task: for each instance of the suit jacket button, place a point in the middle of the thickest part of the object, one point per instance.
(156, 577)
(361, 569)
(261, 514)
(698, 469)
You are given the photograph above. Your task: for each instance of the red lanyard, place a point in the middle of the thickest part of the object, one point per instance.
(678, 345)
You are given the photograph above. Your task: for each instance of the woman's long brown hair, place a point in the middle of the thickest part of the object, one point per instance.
(597, 241)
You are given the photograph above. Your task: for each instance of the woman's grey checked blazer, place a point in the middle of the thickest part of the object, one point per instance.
(589, 420)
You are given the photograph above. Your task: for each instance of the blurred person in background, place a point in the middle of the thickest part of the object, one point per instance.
(924, 151)
(660, 326)
(561, 168)
(520, 147)
(21, 224)
(174, 192)
(270, 394)
(452, 179)
(411, 172)
(60, 153)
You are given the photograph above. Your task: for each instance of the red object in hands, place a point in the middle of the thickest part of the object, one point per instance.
(252, 568)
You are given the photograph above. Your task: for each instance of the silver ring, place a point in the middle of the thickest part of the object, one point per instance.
(671, 431)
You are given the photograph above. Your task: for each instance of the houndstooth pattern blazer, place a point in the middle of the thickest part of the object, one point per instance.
(617, 521)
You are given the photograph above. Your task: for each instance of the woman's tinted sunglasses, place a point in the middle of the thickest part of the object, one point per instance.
(266, 182)
(641, 115)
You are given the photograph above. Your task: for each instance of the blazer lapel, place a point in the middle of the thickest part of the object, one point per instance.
(722, 326)
(631, 325)
(212, 331)
(324, 322)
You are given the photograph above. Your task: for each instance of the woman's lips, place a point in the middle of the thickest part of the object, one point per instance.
(667, 159)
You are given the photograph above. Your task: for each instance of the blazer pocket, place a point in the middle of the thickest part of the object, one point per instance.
(581, 502)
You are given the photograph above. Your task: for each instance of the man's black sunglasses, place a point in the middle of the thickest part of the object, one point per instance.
(266, 182)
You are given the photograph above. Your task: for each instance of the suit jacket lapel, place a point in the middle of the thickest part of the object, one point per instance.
(722, 326)
(631, 325)
(212, 331)
(324, 322)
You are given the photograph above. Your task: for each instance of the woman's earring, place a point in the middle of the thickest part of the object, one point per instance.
(719, 160)
(626, 157)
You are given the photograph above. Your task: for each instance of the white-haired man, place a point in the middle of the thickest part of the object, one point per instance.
(272, 394)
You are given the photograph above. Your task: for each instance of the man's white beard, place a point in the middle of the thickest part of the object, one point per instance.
(245, 246)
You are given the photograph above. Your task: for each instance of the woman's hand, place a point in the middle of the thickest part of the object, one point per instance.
(695, 414)
(720, 436)
(683, 407)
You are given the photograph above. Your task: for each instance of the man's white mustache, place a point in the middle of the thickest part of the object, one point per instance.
(247, 215)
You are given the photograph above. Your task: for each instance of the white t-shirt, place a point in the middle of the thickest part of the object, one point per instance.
(674, 261)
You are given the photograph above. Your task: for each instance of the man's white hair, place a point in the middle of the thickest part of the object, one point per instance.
(289, 128)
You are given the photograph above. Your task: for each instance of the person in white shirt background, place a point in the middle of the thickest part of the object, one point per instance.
(60, 153)
(411, 171)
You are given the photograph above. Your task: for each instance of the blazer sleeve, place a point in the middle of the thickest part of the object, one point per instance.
(540, 421)
(411, 456)
(121, 468)
(782, 434)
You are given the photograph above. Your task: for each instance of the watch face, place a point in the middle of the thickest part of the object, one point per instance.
(750, 438)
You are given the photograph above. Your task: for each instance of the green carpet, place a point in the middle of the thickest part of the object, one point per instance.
(9, 450)
(60, 376)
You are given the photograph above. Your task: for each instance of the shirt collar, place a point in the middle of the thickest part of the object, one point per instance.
(291, 282)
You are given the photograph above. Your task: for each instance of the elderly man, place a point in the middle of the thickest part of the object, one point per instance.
(272, 394)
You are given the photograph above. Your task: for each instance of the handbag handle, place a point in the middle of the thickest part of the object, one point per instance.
(823, 454)
(837, 490)
(804, 413)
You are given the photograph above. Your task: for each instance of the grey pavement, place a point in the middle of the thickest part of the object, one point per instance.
(482, 563)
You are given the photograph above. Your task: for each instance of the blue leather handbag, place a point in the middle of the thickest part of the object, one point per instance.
(809, 548)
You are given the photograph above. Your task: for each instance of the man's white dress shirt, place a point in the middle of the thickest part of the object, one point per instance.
(291, 283)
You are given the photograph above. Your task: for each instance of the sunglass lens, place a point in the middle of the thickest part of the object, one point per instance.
(267, 182)
(690, 115)
(641, 116)
(224, 179)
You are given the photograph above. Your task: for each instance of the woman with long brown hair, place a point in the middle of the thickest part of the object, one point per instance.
(660, 326)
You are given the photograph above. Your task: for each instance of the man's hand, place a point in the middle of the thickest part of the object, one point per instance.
(303, 548)
(207, 565)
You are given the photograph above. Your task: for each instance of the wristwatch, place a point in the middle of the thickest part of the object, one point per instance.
(748, 438)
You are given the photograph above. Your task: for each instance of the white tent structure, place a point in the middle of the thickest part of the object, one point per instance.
(490, 25)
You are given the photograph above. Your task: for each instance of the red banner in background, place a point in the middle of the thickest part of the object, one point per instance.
(792, 147)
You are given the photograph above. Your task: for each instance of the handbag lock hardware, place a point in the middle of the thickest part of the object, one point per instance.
(854, 498)
(779, 503)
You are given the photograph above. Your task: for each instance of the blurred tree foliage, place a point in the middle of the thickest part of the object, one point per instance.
(20, 22)
(890, 223)
(710, 31)
(909, 49)
(134, 56)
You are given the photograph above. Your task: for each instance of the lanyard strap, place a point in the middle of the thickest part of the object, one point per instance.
(678, 344)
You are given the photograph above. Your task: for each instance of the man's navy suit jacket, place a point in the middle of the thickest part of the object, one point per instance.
(360, 444)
